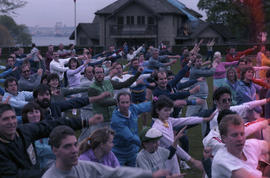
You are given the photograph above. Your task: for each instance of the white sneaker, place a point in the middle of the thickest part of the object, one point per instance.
(184, 165)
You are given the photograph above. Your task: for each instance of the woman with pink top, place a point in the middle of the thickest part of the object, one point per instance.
(220, 73)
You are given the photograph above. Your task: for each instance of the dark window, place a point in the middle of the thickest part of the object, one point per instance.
(141, 20)
(120, 20)
(151, 20)
(130, 19)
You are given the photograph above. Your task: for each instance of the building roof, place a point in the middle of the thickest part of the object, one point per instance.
(157, 6)
(90, 29)
(219, 28)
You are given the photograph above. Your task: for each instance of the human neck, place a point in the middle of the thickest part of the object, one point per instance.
(62, 166)
(98, 153)
(125, 113)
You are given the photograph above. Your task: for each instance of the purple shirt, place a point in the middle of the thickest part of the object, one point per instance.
(221, 69)
(108, 159)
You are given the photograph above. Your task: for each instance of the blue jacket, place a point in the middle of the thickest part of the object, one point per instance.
(126, 140)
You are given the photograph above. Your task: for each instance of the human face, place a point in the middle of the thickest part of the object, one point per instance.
(26, 72)
(151, 146)
(141, 58)
(44, 99)
(164, 113)
(54, 82)
(224, 101)
(119, 70)
(73, 64)
(67, 153)
(55, 56)
(8, 124)
(235, 139)
(33, 116)
(231, 75)
(89, 73)
(61, 46)
(10, 62)
(123, 104)
(249, 75)
(198, 62)
(135, 64)
(99, 74)
(162, 80)
(12, 88)
(155, 54)
(107, 147)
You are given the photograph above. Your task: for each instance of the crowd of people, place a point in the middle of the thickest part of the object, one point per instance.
(103, 96)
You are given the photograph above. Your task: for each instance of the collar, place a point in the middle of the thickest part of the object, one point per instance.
(129, 113)
(8, 141)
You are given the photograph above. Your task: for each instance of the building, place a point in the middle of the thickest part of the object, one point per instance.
(146, 21)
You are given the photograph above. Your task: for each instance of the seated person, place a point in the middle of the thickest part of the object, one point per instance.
(97, 148)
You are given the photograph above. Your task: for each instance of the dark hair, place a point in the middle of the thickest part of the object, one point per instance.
(53, 76)
(232, 69)
(224, 113)
(244, 70)
(134, 59)
(70, 45)
(9, 80)
(96, 138)
(230, 119)
(33, 45)
(73, 60)
(4, 108)
(122, 93)
(169, 73)
(155, 74)
(41, 89)
(87, 67)
(267, 75)
(162, 102)
(97, 66)
(44, 77)
(58, 134)
(220, 91)
(29, 107)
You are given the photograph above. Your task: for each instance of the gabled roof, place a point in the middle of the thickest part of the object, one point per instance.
(90, 29)
(157, 6)
(219, 28)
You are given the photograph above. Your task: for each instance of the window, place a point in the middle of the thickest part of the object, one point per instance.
(120, 20)
(150, 20)
(130, 20)
(141, 20)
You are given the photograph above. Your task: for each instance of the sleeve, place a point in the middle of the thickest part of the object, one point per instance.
(16, 103)
(5, 73)
(73, 72)
(8, 169)
(205, 73)
(179, 76)
(28, 95)
(124, 132)
(58, 68)
(143, 107)
(179, 151)
(178, 95)
(227, 64)
(143, 163)
(125, 84)
(130, 172)
(77, 102)
(29, 86)
(42, 129)
(185, 121)
(71, 91)
(186, 84)
(260, 82)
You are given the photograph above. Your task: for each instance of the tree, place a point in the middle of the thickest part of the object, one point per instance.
(9, 6)
(245, 18)
(6, 39)
(19, 33)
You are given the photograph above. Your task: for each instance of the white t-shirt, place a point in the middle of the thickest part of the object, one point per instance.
(224, 162)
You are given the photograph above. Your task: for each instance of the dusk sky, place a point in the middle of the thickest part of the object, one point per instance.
(48, 12)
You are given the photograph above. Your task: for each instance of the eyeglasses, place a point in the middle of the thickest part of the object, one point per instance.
(226, 100)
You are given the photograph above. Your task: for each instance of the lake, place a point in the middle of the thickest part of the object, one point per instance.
(51, 40)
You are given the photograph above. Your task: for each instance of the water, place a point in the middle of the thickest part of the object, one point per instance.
(51, 40)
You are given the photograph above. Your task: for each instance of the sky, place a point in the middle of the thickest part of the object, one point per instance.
(46, 13)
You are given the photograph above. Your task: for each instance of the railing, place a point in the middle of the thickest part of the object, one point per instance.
(133, 30)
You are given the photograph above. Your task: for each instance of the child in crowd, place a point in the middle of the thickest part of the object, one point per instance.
(161, 111)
